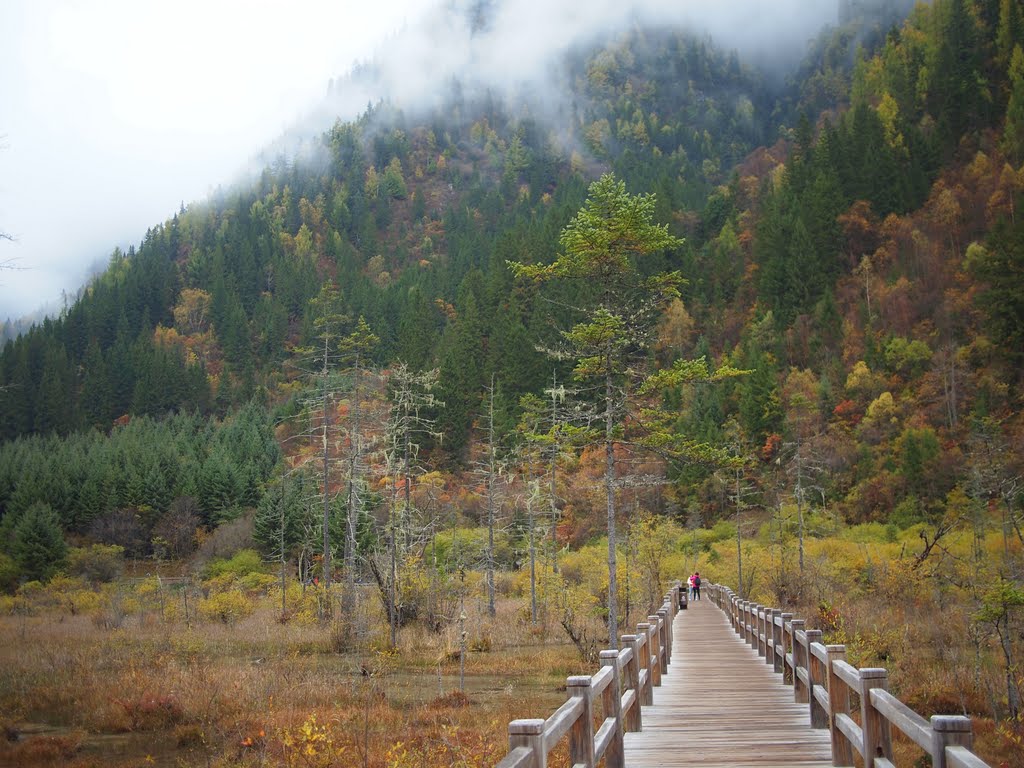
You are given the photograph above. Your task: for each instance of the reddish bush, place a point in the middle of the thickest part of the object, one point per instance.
(848, 412)
(151, 711)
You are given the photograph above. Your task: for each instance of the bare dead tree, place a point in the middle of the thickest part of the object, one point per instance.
(410, 420)
(491, 478)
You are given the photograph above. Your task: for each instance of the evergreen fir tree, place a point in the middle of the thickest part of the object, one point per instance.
(38, 545)
(1013, 131)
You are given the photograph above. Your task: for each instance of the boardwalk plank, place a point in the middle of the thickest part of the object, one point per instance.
(720, 705)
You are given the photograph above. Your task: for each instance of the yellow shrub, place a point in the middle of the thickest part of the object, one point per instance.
(310, 745)
(148, 587)
(258, 583)
(71, 595)
(302, 606)
(228, 606)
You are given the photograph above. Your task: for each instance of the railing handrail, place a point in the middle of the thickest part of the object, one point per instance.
(623, 685)
(823, 679)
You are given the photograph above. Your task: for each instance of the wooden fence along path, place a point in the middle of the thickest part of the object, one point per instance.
(625, 683)
(827, 685)
(748, 686)
(719, 707)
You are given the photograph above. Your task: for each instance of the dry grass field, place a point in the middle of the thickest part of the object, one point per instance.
(157, 690)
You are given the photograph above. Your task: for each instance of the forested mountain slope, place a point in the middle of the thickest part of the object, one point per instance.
(851, 238)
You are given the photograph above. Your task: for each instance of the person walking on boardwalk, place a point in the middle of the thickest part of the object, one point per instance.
(689, 585)
(696, 585)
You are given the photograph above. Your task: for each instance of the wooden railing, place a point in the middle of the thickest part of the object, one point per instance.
(623, 686)
(822, 679)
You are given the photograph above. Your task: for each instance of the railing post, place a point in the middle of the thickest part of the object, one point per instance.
(799, 662)
(787, 644)
(581, 734)
(745, 613)
(779, 658)
(755, 621)
(949, 731)
(652, 657)
(668, 614)
(877, 734)
(672, 606)
(611, 705)
(672, 623)
(634, 717)
(762, 631)
(643, 633)
(530, 734)
(769, 638)
(815, 679)
(665, 625)
(838, 702)
(752, 625)
(656, 646)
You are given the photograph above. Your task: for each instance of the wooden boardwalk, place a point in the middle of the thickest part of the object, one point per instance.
(719, 704)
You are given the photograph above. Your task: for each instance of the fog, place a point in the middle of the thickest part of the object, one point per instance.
(515, 47)
(113, 113)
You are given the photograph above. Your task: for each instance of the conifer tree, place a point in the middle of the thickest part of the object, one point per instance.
(1000, 265)
(278, 524)
(38, 544)
(328, 321)
(1013, 133)
(599, 248)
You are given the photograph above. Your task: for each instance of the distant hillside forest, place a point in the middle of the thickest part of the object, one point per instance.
(849, 237)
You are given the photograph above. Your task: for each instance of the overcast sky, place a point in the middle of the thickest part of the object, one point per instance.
(114, 112)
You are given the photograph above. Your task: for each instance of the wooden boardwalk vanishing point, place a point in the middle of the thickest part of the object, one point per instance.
(719, 704)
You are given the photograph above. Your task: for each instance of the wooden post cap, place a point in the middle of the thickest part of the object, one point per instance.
(628, 638)
(873, 673)
(951, 723)
(610, 654)
(578, 681)
(527, 727)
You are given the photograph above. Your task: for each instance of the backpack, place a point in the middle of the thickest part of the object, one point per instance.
(696, 582)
